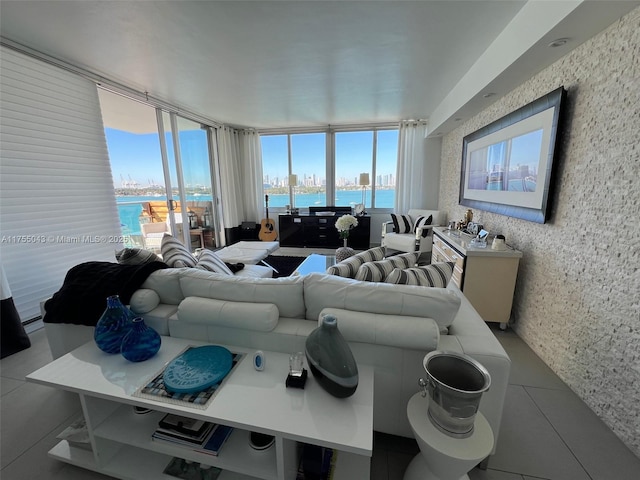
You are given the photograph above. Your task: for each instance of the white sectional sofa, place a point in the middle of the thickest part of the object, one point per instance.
(388, 326)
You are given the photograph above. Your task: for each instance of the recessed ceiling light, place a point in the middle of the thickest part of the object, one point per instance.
(558, 42)
(487, 95)
(457, 119)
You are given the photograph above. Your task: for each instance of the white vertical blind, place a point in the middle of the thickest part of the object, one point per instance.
(57, 202)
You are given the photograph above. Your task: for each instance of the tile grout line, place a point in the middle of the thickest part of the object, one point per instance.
(556, 430)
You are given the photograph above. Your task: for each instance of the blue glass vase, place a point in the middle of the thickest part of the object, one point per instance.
(113, 325)
(330, 359)
(141, 343)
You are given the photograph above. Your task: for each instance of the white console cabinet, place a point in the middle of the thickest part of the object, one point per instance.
(486, 277)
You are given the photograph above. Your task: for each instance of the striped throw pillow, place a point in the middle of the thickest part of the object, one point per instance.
(378, 271)
(175, 254)
(422, 221)
(401, 223)
(436, 275)
(136, 256)
(349, 267)
(208, 260)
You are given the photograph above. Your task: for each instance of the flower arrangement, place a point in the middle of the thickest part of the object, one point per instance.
(344, 224)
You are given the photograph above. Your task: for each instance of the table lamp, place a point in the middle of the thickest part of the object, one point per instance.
(364, 181)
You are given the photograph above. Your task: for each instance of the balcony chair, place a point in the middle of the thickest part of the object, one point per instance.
(152, 234)
(411, 238)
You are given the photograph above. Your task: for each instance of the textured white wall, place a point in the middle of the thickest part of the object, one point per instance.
(577, 300)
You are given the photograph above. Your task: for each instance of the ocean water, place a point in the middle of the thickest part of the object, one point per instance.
(130, 207)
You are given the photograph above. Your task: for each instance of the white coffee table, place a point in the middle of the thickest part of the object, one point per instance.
(248, 400)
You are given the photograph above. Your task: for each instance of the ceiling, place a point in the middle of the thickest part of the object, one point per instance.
(286, 64)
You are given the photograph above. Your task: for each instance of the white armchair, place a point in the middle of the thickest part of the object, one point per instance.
(152, 234)
(418, 239)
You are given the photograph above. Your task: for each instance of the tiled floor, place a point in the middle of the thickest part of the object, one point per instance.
(547, 432)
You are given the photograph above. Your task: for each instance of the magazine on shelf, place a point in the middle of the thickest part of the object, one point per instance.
(216, 440)
(181, 438)
(185, 425)
(210, 442)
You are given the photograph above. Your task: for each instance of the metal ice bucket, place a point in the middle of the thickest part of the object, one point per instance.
(455, 384)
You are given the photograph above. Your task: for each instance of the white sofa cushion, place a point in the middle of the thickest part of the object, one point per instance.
(286, 292)
(417, 333)
(166, 283)
(261, 317)
(255, 271)
(330, 291)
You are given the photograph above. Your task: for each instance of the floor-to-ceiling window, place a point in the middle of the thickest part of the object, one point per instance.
(156, 175)
(330, 168)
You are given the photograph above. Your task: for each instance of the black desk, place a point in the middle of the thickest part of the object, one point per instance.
(320, 231)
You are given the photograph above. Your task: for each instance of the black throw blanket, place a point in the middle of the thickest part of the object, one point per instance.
(83, 296)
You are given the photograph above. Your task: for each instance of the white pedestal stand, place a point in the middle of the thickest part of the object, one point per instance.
(443, 457)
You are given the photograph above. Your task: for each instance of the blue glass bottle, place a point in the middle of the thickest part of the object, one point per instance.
(141, 343)
(113, 325)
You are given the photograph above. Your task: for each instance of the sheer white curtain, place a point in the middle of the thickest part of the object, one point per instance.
(251, 170)
(411, 165)
(231, 192)
(240, 160)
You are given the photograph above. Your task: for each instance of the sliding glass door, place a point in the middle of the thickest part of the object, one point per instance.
(194, 181)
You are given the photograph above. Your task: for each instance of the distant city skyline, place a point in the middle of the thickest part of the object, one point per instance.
(353, 156)
(386, 180)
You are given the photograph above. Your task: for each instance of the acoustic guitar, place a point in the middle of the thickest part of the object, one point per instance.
(267, 230)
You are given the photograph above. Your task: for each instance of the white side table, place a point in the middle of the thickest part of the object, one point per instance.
(443, 457)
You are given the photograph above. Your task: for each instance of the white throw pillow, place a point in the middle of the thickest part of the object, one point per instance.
(378, 271)
(175, 254)
(436, 275)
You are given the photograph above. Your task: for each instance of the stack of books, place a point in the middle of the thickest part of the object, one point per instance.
(200, 436)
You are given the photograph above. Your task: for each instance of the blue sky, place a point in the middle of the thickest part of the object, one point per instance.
(134, 155)
(137, 156)
(353, 154)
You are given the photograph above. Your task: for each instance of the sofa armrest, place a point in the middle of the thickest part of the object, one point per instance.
(144, 300)
(415, 333)
(420, 231)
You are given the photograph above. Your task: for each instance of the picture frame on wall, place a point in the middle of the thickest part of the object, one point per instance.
(508, 165)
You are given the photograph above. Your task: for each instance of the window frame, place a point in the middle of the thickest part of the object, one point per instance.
(330, 157)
